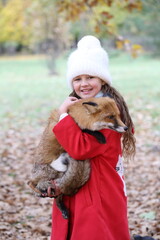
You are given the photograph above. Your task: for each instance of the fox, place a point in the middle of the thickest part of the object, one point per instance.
(54, 172)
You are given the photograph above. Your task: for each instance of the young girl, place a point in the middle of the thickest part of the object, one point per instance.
(99, 210)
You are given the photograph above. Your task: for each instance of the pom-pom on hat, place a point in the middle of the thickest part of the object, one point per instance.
(89, 58)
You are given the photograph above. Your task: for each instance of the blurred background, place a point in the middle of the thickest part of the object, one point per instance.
(36, 37)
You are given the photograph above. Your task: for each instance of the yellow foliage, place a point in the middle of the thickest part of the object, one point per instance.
(43, 21)
(136, 49)
(119, 44)
(12, 22)
(104, 15)
(126, 41)
(72, 9)
(125, 44)
(136, 4)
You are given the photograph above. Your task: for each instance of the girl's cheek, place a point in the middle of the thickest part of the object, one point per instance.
(74, 85)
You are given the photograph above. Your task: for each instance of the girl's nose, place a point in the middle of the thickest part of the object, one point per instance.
(84, 82)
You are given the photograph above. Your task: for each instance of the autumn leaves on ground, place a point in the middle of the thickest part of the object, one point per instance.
(22, 215)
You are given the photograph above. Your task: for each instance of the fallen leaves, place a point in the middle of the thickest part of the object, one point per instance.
(142, 178)
(23, 216)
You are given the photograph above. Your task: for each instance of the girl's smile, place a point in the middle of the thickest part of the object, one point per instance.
(87, 86)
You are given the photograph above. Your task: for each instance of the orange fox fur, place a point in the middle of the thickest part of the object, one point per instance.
(90, 114)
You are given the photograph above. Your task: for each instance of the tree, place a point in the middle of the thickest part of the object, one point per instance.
(144, 28)
(13, 25)
(33, 23)
(48, 24)
(49, 30)
(105, 17)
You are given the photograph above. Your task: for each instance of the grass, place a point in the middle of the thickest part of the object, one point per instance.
(138, 81)
(27, 89)
(28, 92)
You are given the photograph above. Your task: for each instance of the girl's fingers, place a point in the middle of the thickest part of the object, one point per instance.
(73, 98)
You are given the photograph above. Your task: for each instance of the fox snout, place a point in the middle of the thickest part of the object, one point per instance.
(111, 125)
(118, 125)
(125, 128)
(120, 129)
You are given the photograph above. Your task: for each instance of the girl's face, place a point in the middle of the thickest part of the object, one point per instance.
(87, 86)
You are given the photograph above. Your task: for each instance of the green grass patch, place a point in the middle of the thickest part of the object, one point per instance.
(138, 81)
(29, 92)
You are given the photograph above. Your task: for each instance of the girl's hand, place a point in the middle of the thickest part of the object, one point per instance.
(65, 105)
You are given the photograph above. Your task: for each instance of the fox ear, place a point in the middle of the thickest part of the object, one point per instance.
(91, 107)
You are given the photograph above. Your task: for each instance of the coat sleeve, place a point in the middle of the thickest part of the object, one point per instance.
(78, 144)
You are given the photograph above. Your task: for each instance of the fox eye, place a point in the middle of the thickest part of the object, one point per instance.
(111, 117)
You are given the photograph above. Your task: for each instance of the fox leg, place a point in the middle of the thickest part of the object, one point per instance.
(76, 175)
(62, 207)
(61, 163)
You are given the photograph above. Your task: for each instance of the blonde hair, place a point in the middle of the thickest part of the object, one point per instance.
(128, 139)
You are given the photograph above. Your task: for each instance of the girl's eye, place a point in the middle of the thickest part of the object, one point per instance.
(76, 79)
(90, 77)
(111, 117)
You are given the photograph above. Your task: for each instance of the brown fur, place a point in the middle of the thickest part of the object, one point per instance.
(90, 117)
(128, 140)
(93, 114)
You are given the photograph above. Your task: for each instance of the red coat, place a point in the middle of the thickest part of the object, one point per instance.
(99, 210)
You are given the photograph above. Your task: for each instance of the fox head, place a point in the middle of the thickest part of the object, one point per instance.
(97, 113)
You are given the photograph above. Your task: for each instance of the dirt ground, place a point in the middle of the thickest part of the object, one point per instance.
(23, 216)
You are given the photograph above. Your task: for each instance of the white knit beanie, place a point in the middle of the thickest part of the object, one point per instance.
(89, 58)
